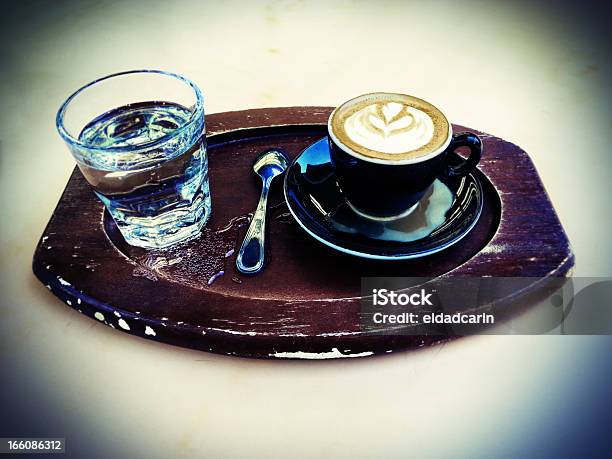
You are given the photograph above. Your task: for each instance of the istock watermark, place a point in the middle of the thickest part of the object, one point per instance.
(383, 297)
(455, 306)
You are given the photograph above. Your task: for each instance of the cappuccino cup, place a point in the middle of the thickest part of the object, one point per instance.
(387, 149)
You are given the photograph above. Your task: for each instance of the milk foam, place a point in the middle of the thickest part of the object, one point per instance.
(389, 127)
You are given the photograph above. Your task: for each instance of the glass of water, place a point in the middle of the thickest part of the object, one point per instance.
(138, 138)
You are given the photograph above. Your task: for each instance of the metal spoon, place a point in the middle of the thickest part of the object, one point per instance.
(267, 165)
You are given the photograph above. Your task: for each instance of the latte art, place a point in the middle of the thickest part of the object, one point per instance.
(390, 127)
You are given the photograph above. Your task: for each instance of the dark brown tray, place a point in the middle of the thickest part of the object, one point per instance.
(305, 304)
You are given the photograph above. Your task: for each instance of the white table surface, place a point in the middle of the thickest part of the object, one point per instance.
(539, 78)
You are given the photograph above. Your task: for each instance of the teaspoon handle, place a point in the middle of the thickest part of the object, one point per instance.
(250, 259)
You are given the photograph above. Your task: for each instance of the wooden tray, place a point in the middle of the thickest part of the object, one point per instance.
(306, 303)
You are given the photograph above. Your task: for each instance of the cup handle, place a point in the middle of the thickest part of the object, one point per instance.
(473, 142)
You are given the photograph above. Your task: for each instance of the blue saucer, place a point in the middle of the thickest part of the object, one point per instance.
(442, 218)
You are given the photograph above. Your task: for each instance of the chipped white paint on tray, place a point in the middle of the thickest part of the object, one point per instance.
(63, 282)
(333, 354)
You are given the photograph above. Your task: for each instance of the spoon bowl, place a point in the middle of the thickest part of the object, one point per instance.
(270, 163)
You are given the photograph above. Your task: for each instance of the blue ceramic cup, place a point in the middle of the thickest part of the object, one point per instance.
(388, 149)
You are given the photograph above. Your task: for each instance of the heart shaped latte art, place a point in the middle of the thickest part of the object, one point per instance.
(390, 127)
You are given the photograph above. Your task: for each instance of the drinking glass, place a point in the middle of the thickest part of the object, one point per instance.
(138, 138)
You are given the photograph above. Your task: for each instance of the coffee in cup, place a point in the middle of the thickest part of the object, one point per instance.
(388, 148)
